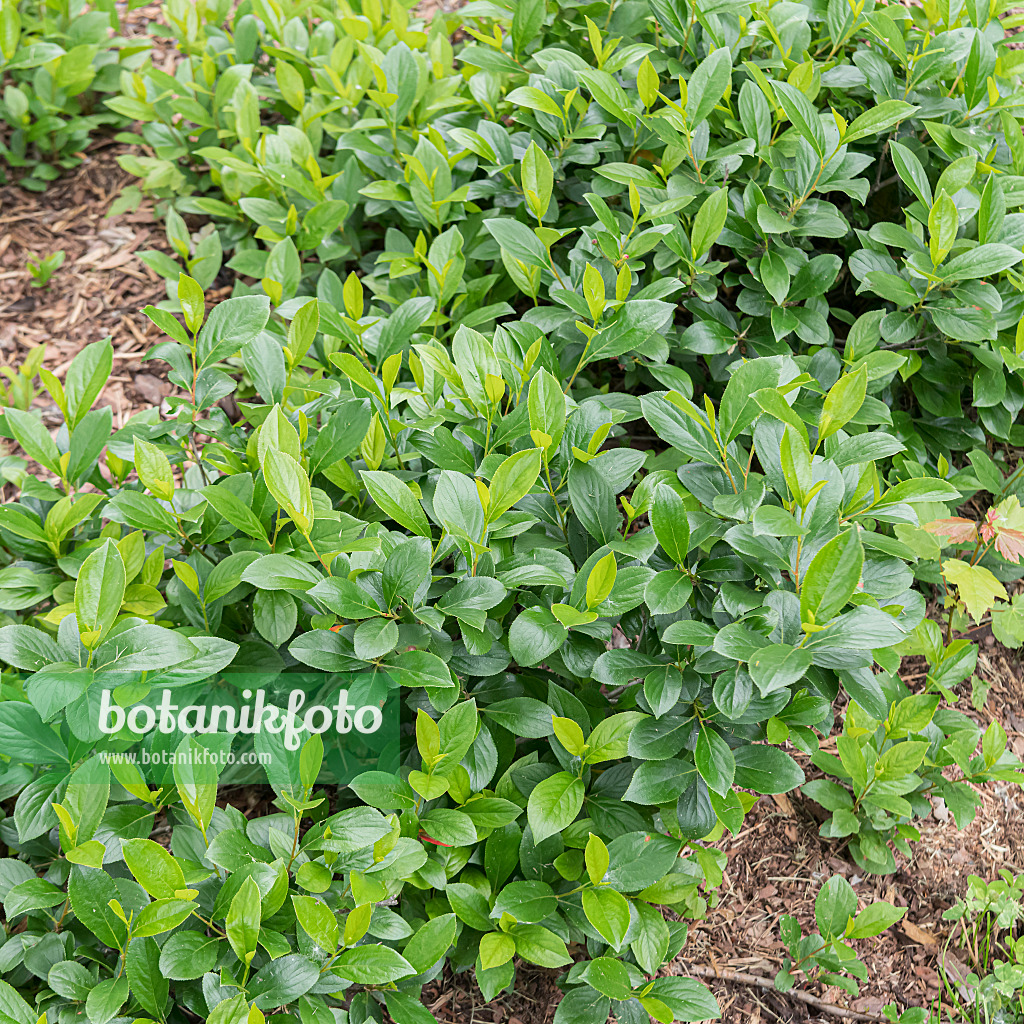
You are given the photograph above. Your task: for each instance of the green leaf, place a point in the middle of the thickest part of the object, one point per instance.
(405, 1009)
(534, 635)
(27, 648)
(875, 918)
(835, 903)
(802, 114)
(877, 119)
(282, 981)
(372, 965)
(582, 1005)
(539, 945)
(709, 222)
(832, 578)
(24, 736)
(527, 19)
(982, 261)
(87, 376)
(231, 325)
(546, 404)
(739, 407)
(538, 179)
(714, 760)
(670, 524)
(601, 580)
(289, 485)
(943, 223)
(912, 174)
(775, 276)
(161, 916)
(610, 95)
(533, 98)
(242, 924)
(33, 437)
(106, 999)
(902, 759)
(707, 84)
(528, 902)
(318, 921)
(383, 790)
(148, 985)
(610, 738)
(688, 999)
(496, 948)
(512, 481)
(518, 241)
(10, 32)
(778, 666)
(154, 470)
(85, 800)
(153, 867)
(274, 614)
(767, 770)
(99, 591)
(90, 891)
(289, 81)
(608, 911)
(430, 942)
(374, 638)
(609, 976)
(554, 804)
(842, 403)
(395, 499)
(469, 905)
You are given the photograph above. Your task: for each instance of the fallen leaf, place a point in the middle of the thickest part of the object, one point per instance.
(119, 259)
(918, 935)
(954, 968)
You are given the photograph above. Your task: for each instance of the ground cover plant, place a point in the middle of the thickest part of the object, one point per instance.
(877, 185)
(570, 406)
(58, 60)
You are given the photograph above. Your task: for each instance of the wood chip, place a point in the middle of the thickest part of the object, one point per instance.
(117, 260)
(783, 804)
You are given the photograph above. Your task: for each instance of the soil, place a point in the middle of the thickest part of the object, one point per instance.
(775, 864)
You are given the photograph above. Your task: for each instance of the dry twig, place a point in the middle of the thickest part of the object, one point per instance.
(727, 974)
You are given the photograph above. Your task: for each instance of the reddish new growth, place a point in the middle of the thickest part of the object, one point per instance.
(956, 528)
(1010, 544)
(1003, 524)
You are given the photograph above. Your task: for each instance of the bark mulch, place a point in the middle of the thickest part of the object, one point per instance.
(99, 291)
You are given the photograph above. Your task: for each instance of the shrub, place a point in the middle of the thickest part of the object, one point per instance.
(56, 59)
(500, 545)
(865, 211)
(619, 517)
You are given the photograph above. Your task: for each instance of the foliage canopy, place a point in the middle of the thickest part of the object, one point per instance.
(596, 381)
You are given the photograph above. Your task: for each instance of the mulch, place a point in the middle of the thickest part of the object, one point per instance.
(102, 287)
(99, 291)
